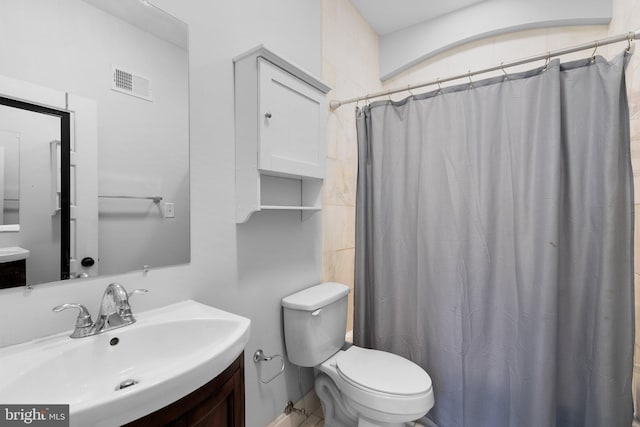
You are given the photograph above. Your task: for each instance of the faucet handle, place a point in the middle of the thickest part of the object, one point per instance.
(83, 322)
(84, 318)
(137, 291)
(125, 310)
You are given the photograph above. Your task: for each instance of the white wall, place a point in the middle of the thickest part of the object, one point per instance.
(404, 48)
(245, 269)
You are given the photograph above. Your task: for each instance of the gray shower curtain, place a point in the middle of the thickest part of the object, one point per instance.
(494, 230)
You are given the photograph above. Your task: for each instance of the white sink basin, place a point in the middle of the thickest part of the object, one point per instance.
(169, 351)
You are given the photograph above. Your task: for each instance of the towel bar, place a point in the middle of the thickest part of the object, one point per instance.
(259, 356)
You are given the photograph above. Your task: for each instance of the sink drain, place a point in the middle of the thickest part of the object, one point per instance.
(126, 384)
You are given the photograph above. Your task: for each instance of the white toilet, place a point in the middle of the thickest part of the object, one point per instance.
(357, 386)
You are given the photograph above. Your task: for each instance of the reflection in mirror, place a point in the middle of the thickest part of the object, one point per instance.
(122, 71)
(38, 129)
(9, 173)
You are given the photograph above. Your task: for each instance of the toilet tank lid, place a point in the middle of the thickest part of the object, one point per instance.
(313, 298)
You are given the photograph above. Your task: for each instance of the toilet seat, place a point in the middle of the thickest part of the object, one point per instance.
(365, 377)
(382, 372)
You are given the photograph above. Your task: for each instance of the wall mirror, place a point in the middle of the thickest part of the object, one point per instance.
(112, 196)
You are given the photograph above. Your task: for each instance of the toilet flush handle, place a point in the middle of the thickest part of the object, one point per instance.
(317, 312)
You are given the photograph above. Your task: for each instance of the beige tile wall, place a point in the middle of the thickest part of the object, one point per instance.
(350, 66)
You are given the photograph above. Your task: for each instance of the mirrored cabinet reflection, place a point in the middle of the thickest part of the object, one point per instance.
(42, 136)
(94, 140)
(9, 170)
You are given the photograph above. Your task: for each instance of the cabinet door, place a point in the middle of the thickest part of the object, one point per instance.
(219, 403)
(291, 115)
(225, 408)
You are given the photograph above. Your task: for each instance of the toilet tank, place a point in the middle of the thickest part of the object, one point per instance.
(315, 322)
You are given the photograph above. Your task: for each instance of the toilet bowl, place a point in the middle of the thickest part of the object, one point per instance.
(356, 386)
(380, 387)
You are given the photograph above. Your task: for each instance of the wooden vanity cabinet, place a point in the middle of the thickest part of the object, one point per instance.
(13, 274)
(219, 403)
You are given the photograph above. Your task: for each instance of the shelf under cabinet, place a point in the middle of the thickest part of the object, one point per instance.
(306, 212)
(282, 194)
(290, 208)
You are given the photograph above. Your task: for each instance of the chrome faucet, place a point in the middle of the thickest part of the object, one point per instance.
(115, 312)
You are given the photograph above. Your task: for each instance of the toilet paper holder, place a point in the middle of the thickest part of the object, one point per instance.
(259, 356)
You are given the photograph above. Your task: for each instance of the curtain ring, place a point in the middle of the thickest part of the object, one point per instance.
(409, 90)
(547, 60)
(629, 38)
(389, 96)
(593, 55)
(506, 77)
(469, 77)
(439, 87)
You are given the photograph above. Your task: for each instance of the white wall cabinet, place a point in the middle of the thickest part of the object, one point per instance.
(280, 113)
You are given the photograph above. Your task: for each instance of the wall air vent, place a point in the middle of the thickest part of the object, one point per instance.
(130, 83)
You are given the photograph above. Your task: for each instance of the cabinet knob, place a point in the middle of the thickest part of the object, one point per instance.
(267, 115)
(87, 261)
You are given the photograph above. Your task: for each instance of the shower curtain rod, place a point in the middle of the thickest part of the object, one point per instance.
(633, 35)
